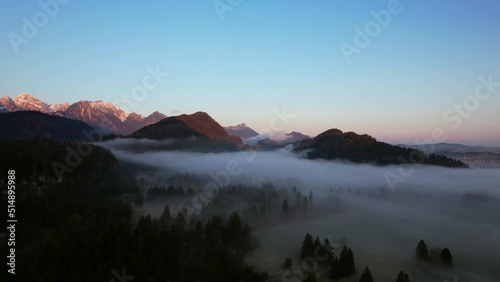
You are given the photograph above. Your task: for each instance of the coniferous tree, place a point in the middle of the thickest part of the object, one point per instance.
(350, 263)
(317, 244)
(343, 266)
(327, 245)
(165, 216)
(446, 257)
(335, 272)
(422, 252)
(366, 276)
(310, 198)
(346, 262)
(307, 247)
(403, 277)
(288, 263)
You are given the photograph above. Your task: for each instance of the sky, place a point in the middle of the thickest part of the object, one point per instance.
(397, 70)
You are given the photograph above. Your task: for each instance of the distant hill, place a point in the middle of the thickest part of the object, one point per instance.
(197, 131)
(241, 130)
(477, 156)
(293, 138)
(335, 144)
(30, 124)
(441, 147)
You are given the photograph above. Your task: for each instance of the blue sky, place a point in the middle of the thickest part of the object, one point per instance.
(267, 55)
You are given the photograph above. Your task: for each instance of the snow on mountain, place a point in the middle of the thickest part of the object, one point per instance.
(27, 102)
(60, 107)
(241, 130)
(8, 104)
(99, 114)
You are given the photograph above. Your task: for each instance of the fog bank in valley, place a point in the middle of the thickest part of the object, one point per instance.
(382, 225)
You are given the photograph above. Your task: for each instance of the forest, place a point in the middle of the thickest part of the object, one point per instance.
(76, 228)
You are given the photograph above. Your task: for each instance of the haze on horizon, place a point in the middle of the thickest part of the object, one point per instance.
(420, 72)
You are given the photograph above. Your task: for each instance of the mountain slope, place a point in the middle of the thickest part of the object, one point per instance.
(8, 105)
(99, 114)
(281, 141)
(197, 131)
(241, 130)
(152, 118)
(60, 107)
(27, 102)
(30, 124)
(335, 144)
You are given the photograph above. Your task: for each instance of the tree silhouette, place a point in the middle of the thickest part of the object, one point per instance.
(446, 257)
(403, 277)
(343, 266)
(335, 272)
(165, 217)
(288, 263)
(366, 276)
(307, 247)
(422, 252)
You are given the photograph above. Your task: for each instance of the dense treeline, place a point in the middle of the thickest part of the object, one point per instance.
(76, 228)
(42, 162)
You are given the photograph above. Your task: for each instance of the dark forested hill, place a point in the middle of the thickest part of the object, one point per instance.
(30, 124)
(335, 144)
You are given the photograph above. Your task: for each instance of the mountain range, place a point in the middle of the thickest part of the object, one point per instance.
(99, 114)
(28, 117)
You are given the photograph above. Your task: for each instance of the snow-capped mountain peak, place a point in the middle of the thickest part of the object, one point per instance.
(99, 114)
(29, 103)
